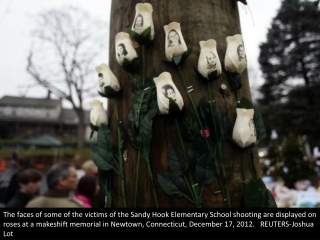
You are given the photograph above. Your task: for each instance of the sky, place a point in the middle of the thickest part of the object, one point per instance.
(16, 24)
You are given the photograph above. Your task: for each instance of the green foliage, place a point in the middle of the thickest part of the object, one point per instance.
(143, 39)
(109, 92)
(289, 161)
(218, 122)
(172, 184)
(130, 66)
(144, 109)
(178, 60)
(177, 161)
(257, 195)
(234, 80)
(290, 57)
(259, 126)
(205, 168)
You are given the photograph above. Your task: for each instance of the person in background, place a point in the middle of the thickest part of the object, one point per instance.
(29, 181)
(91, 169)
(316, 155)
(62, 182)
(86, 191)
(13, 186)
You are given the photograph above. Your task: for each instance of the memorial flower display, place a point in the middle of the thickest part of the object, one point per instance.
(235, 60)
(209, 65)
(166, 90)
(174, 41)
(124, 48)
(98, 114)
(108, 82)
(244, 131)
(143, 20)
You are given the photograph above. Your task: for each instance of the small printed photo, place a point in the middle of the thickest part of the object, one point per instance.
(169, 92)
(121, 50)
(211, 60)
(241, 53)
(252, 128)
(101, 80)
(173, 38)
(138, 22)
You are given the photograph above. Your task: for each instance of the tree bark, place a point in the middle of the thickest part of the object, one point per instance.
(200, 20)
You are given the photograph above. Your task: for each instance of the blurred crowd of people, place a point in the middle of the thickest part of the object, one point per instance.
(66, 187)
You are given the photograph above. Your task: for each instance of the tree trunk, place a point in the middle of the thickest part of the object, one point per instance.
(200, 20)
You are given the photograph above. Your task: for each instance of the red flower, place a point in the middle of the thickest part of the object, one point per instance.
(205, 132)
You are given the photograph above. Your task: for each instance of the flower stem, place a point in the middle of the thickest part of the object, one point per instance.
(122, 175)
(243, 173)
(254, 169)
(192, 102)
(192, 190)
(137, 178)
(146, 153)
(143, 64)
(223, 186)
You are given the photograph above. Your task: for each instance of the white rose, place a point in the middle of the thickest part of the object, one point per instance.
(244, 131)
(166, 89)
(124, 47)
(97, 114)
(143, 19)
(107, 78)
(235, 59)
(175, 45)
(209, 59)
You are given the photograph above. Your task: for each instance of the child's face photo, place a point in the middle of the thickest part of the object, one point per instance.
(120, 49)
(101, 81)
(211, 60)
(241, 52)
(171, 94)
(138, 22)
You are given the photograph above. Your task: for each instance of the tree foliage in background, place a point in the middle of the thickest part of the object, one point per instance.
(67, 42)
(290, 62)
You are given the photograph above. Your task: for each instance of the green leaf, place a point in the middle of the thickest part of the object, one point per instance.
(172, 184)
(226, 125)
(174, 110)
(146, 129)
(143, 39)
(189, 127)
(257, 195)
(93, 127)
(186, 54)
(259, 126)
(136, 83)
(205, 168)
(91, 134)
(177, 59)
(100, 162)
(234, 80)
(109, 92)
(105, 137)
(131, 66)
(177, 161)
(140, 106)
(105, 182)
(245, 103)
(210, 78)
(146, 36)
(196, 149)
(132, 132)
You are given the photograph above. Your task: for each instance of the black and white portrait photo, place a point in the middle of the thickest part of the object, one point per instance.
(121, 50)
(211, 60)
(169, 92)
(138, 22)
(101, 80)
(173, 38)
(252, 128)
(241, 52)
